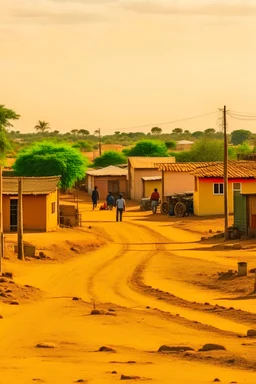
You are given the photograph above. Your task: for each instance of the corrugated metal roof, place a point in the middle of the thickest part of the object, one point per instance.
(109, 171)
(149, 162)
(152, 178)
(182, 167)
(236, 169)
(31, 185)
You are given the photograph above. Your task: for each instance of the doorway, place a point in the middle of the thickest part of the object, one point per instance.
(13, 215)
(113, 186)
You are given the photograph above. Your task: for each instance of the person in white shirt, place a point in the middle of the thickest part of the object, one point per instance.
(120, 208)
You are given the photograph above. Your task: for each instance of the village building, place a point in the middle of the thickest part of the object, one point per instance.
(177, 178)
(40, 203)
(209, 186)
(245, 213)
(143, 176)
(113, 179)
(184, 145)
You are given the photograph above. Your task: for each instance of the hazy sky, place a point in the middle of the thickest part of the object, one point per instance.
(122, 63)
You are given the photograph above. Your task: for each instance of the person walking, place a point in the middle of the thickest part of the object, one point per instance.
(120, 208)
(110, 201)
(95, 197)
(155, 197)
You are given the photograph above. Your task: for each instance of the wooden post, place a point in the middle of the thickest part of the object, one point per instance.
(225, 173)
(162, 197)
(20, 221)
(1, 222)
(100, 151)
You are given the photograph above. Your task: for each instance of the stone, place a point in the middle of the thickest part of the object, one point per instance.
(81, 381)
(167, 348)
(251, 333)
(253, 270)
(3, 280)
(96, 312)
(9, 275)
(110, 314)
(212, 347)
(14, 302)
(106, 349)
(125, 377)
(237, 246)
(114, 372)
(216, 380)
(76, 299)
(111, 310)
(1, 316)
(46, 345)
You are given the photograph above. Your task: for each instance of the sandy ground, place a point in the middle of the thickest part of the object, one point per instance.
(163, 287)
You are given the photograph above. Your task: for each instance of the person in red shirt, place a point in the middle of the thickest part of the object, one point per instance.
(154, 200)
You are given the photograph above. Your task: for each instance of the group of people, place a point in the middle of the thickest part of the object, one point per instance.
(110, 203)
(120, 202)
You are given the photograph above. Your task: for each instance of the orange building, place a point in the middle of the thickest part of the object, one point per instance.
(40, 203)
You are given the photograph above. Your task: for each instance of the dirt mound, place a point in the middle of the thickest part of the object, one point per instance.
(251, 333)
(12, 293)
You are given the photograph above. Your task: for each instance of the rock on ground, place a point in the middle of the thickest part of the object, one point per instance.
(167, 348)
(45, 345)
(251, 333)
(212, 347)
(106, 349)
(125, 377)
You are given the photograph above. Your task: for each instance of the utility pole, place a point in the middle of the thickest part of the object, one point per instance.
(20, 220)
(225, 173)
(1, 222)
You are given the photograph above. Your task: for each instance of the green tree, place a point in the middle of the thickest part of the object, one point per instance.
(74, 131)
(50, 159)
(5, 145)
(148, 148)
(42, 126)
(177, 131)
(209, 131)
(197, 134)
(239, 136)
(110, 158)
(84, 146)
(170, 144)
(156, 131)
(207, 150)
(6, 116)
(83, 132)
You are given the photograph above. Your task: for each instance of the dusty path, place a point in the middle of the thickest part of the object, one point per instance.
(110, 275)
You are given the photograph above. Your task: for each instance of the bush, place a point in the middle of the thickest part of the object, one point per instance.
(110, 158)
(50, 159)
(148, 148)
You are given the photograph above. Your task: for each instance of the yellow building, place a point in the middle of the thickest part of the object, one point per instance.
(40, 203)
(209, 186)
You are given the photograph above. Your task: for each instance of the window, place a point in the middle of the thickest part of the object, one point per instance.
(218, 188)
(53, 207)
(237, 187)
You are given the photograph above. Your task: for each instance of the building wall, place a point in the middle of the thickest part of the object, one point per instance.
(52, 212)
(177, 182)
(183, 147)
(149, 187)
(90, 184)
(102, 183)
(34, 212)
(206, 203)
(136, 191)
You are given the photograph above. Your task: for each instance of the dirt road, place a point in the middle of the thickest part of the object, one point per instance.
(145, 275)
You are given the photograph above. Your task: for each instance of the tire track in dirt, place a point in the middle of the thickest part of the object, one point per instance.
(138, 284)
(132, 297)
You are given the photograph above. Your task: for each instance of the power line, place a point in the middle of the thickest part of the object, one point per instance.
(167, 122)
